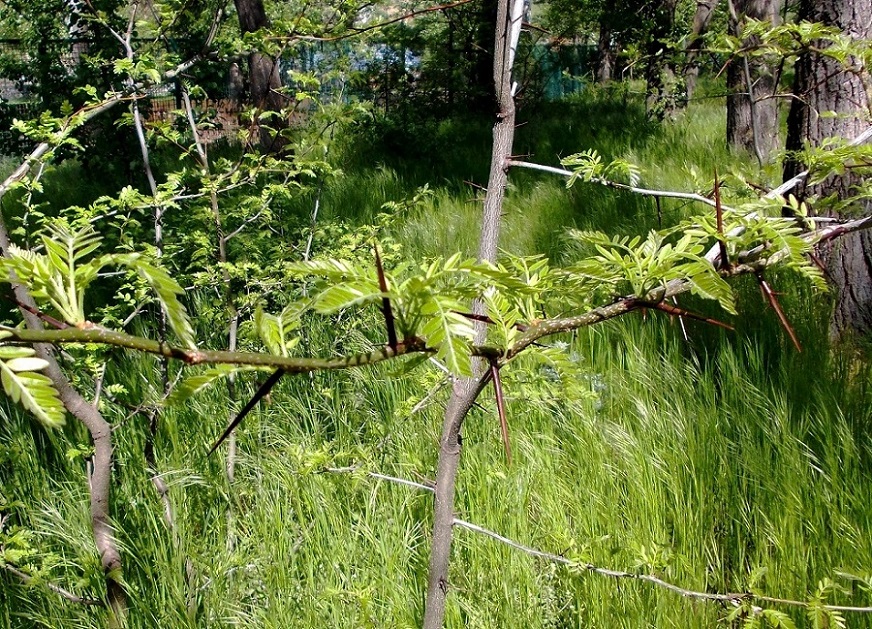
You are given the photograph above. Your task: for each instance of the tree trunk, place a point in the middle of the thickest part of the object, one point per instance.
(664, 91)
(466, 390)
(263, 73)
(752, 115)
(100, 476)
(823, 85)
(605, 54)
(702, 17)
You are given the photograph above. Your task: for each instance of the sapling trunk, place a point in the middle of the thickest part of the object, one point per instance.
(100, 478)
(466, 390)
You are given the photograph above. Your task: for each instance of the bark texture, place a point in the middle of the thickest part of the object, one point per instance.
(466, 390)
(263, 71)
(752, 113)
(823, 85)
(702, 17)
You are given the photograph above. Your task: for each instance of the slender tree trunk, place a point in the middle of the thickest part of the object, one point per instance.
(100, 477)
(605, 54)
(664, 91)
(263, 71)
(822, 85)
(702, 17)
(752, 113)
(466, 390)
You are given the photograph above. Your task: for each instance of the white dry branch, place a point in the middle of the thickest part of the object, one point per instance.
(733, 598)
(780, 191)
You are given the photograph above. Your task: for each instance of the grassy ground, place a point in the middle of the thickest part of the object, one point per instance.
(725, 463)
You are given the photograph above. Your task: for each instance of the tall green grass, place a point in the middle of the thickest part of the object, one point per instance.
(708, 462)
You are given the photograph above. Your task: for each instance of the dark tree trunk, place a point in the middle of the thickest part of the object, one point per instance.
(605, 54)
(822, 85)
(702, 17)
(752, 113)
(263, 72)
(664, 91)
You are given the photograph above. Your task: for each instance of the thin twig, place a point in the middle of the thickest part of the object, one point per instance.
(391, 479)
(354, 32)
(770, 297)
(732, 598)
(430, 394)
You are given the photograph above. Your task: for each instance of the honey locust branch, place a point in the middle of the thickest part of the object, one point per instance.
(750, 262)
(90, 333)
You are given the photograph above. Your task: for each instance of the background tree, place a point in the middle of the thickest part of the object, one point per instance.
(702, 18)
(831, 101)
(752, 82)
(264, 79)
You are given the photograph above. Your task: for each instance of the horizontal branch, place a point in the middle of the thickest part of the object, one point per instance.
(751, 263)
(391, 479)
(607, 572)
(780, 191)
(90, 333)
(666, 194)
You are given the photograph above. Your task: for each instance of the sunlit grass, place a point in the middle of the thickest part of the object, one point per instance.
(705, 462)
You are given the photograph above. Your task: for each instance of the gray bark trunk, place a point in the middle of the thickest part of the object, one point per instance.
(752, 113)
(822, 85)
(702, 17)
(466, 390)
(605, 55)
(263, 71)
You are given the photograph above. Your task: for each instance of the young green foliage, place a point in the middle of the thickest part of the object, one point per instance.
(62, 275)
(24, 385)
(60, 278)
(589, 166)
(636, 266)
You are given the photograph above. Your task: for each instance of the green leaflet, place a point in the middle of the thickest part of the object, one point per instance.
(194, 384)
(778, 619)
(340, 296)
(61, 276)
(273, 329)
(167, 290)
(588, 165)
(34, 391)
(449, 333)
